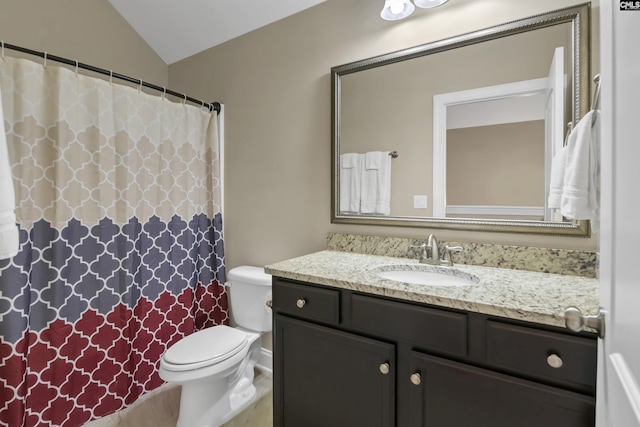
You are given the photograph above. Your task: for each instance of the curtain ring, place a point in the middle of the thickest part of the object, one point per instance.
(111, 77)
(184, 101)
(76, 68)
(2, 42)
(44, 63)
(164, 93)
(140, 86)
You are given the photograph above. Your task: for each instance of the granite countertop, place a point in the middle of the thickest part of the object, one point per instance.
(523, 295)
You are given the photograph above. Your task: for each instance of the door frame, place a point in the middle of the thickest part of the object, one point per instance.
(440, 104)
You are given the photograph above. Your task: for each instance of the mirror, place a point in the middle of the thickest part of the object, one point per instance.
(464, 127)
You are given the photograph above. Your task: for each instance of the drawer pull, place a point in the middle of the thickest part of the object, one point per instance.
(554, 361)
(384, 368)
(301, 303)
(415, 379)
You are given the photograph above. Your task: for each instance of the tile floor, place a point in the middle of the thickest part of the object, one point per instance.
(160, 409)
(260, 412)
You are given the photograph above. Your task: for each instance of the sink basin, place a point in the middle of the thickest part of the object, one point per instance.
(427, 275)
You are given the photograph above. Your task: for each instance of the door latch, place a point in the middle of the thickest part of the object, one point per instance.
(576, 321)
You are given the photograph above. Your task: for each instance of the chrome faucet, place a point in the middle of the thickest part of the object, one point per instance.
(432, 248)
(431, 252)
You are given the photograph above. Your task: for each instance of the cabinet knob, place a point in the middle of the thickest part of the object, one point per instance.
(554, 361)
(269, 303)
(384, 368)
(301, 302)
(415, 379)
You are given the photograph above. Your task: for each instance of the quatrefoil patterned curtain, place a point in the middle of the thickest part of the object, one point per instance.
(121, 250)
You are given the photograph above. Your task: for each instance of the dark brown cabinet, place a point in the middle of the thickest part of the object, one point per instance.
(333, 378)
(455, 394)
(347, 359)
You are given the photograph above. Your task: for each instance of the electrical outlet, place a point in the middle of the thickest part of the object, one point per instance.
(420, 202)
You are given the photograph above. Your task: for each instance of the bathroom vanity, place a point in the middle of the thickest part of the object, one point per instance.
(352, 349)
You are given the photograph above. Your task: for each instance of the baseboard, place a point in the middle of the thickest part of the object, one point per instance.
(265, 362)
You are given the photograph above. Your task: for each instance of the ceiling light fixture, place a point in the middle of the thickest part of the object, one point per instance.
(398, 9)
(427, 4)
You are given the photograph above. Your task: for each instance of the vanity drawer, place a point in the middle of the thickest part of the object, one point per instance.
(437, 330)
(562, 359)
(306, 301)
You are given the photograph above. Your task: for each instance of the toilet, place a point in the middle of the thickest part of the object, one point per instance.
(215, 366)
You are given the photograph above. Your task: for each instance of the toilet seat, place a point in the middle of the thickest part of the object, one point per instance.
(205, 347)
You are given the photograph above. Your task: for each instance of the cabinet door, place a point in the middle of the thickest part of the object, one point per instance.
(328, 378)
(451, 394)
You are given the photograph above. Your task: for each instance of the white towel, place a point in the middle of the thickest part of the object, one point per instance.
(556, 182)
(9, 239)
(376, 183)
(581, 189)
(373, 160)
(350, 182)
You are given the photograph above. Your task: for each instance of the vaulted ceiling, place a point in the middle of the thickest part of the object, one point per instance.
(177, 29)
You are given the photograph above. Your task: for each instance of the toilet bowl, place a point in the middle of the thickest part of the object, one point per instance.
(215, 366)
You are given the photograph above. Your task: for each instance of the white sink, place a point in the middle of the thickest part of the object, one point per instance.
(427, 275)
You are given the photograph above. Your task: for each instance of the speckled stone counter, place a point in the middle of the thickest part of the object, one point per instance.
(544, 260)
(516, 294)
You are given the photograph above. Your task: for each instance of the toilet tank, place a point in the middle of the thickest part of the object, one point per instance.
(249, 290)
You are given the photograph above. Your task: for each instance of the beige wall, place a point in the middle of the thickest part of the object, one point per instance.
(276, 88)
(497, 165)
(89, 31)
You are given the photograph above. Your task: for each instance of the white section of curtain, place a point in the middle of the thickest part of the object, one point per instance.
(124, 152)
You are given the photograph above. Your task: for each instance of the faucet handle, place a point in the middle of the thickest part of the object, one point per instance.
(422, 246)
(446, 255)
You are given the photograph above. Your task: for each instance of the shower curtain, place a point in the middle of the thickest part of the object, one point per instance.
(121, 249)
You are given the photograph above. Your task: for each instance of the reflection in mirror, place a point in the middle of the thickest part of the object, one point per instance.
(508, 165)
(475, 124)
(505, 136)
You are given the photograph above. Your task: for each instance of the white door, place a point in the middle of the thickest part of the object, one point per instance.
(554, 126)
(618, 399)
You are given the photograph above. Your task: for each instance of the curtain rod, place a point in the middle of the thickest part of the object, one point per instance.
(213, 106)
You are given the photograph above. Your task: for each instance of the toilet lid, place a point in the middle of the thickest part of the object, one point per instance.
(211, 344)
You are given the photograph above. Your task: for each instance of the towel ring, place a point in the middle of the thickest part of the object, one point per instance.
(569, 129)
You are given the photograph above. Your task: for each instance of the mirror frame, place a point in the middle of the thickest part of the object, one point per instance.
(580, 18)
